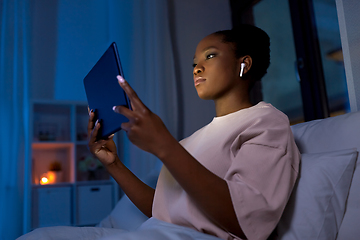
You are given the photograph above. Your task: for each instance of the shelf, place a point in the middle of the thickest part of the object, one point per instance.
(51, 122)
(46, 155)
(77, 183)
(98, 182)
(82, 118)
(88, 168)
(55, 185)
(51, 145)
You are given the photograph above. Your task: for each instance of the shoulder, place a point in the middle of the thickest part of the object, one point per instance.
(251, 121)
(268, 112)
(264, 125)
(262, 116)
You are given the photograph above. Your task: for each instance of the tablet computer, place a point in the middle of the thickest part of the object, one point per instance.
(103, 91)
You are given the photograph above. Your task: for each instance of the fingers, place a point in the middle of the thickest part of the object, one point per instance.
(126, 126)
(94, 144)
(91, 123)
(129, 114)
(134, 99)
(97, 146)
(94, 132)
(93, 127)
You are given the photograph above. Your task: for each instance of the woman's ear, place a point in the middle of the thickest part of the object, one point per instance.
(245, 65)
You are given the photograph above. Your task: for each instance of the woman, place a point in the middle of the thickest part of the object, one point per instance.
(233, 177)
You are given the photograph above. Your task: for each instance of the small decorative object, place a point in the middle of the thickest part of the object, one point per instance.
(55, 166)
(91, 168)
(47, 131)
(55, 173)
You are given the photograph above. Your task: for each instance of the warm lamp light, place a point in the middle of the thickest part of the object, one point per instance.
(51, 176)
(44, 180)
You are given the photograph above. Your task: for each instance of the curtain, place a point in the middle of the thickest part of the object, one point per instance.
(147, 52)
(14, 106)
(142, 33)
(72, 42)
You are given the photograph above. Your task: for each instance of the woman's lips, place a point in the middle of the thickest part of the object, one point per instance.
(198, 80)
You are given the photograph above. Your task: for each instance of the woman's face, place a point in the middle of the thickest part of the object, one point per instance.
(216, 69)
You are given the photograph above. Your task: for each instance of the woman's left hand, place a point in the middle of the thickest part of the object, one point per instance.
(145, 129)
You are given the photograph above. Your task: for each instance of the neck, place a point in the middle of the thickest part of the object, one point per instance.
(231, 104)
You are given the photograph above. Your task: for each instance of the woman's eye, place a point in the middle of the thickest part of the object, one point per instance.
(210, 56)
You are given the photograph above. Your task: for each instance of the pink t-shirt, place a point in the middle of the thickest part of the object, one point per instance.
(253, 150)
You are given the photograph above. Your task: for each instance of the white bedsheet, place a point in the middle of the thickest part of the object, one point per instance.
(152, 229)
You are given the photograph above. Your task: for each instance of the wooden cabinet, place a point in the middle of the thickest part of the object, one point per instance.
(66, 185)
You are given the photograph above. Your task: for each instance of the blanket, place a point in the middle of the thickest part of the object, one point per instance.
(152, 229)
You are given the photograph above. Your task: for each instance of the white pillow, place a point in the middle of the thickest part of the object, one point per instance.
(317, 205)
(126, 215)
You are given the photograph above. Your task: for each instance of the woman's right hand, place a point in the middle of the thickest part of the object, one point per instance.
(104, 149)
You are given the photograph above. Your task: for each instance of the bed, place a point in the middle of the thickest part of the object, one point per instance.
(325, 203)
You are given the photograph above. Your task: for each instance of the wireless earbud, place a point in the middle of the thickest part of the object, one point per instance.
(242, 69)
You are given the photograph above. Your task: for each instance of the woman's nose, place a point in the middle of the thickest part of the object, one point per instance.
(198, 69)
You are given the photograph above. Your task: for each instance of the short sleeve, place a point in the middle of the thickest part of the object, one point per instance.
(262, 175)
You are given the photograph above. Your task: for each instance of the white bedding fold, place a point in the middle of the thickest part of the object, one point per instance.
(152, 229)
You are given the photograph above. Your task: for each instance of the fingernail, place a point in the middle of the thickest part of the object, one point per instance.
(97, 121)
(114, 108)
(111, 136)
(120, 79)
(90, 112)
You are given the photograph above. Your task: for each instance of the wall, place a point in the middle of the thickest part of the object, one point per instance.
(349, 18)
(67, 39)
(195, 19)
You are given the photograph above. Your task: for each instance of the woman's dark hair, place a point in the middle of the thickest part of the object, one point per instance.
(252, 41)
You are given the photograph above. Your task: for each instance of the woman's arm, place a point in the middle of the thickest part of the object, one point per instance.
(105, 150)
(210, 192)
(138, 192)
